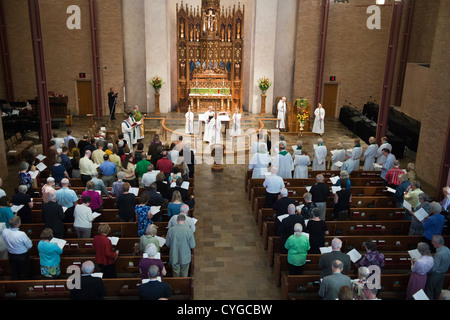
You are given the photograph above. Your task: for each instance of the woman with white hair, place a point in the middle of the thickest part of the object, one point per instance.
(25, 177)
(419, 269)
(358, 284)
(150, 259)
(433, 224)
(260, 162)
(297, 246)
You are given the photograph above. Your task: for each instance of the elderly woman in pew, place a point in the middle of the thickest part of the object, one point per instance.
(105, 256)
(419, 269)
(23, 198)
(49, 255)
(372, 257)
(359, 283)
(415, 228)
(149, 237)
(151, 258)
(297, 246)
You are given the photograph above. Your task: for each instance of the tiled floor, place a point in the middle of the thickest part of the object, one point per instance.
(230, 262)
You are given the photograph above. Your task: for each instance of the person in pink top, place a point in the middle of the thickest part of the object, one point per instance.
(96, 198)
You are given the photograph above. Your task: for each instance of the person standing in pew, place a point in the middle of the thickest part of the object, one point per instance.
(149, 259)
(67, 198)
(281, 205)
(49, 255)
(53, 216)
(342, 200)
(86, 167)
(433, 224)
(317, 230)
(331, 284)
(83, 218)
(180, 239)
(372, 257)
(273, 184)
(436, 276)
(95, 198)
(91, 288)
(108, 171)
(125, 203)
(326, 260)
(23, 198)
(105, 256)
(286, 227)
(297, 246)
(154, 289)
(18, 243)
(320, 193)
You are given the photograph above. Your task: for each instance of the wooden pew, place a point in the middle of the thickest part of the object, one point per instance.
(120, 229)
(127, 266)
(393, 286)
(356, 214)
(327, 174)
(385, 243)
(394, 261)
(182, 288)
(107, 215)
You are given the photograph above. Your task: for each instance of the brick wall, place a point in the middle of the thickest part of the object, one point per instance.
(67, 52)
(437, 110)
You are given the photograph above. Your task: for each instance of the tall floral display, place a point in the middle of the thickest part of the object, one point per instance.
(303, 115)
(264, 84)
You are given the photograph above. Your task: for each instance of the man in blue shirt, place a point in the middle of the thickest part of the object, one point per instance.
(69, 137)
(433, 224)
(388, 164)
(108, 171)
(66, 198)
(273, 184)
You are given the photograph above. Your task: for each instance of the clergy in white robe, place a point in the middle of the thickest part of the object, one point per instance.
(128, 131)
(215, 131)
(320, 153)
(281, 115)
(256, 146)
(356, 154)
(138, 117)
(381, 159)
(259, 163)
(236, 127)
(189, 121)
(370, 154)
(301, 164)
(319, 124)
(283, 161)
(297, 149)
(338, 156)
(349, 164)
(208, 115)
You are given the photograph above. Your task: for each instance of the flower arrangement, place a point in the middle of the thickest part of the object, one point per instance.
(264, 84)
(157, 83)
(302, 112)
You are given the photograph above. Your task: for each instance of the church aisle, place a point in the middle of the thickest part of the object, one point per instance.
(230, 262)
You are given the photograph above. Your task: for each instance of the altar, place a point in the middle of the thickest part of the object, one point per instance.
(210, 55)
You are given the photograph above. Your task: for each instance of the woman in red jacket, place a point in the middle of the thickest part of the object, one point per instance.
(105, 256)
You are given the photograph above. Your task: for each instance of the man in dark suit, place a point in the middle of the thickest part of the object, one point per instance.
(330, 285)
(320, 192)
(91, 288)
(154, 289)
(326, 260)
(155, 199)
(53, 216)
(286, 227)
(281, 205)
(187, 199)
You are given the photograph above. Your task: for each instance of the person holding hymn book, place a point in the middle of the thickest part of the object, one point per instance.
(49, 255)
(436, 276)
(337, 157)
(325, 261)
(317, 230)
(359, 283)
(331, 284)
(356, 154)
(419, 269)
(342, 199)
(95, 199)
(348, 165)
(415, 228)
(297, 246)
(433, 224)
(370, 154)
(286, 228)
(401, 189)
(154, 289)
(125, 203)
(105, 256)
(83, 218)
(150, 236)
(301, 163)
(91, 287)
(259, 162)
(372, 256)
(150, 259)
(143, 214)
(273, 184)
(320, 153)
(306, 212)
(411, 195)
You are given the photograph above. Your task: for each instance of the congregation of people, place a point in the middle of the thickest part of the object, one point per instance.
(302, 229)
(108, 170)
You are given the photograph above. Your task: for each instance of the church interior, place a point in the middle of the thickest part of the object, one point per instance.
(378, 68)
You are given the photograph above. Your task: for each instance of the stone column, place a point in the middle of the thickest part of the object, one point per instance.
(157, 44)
(263, 55)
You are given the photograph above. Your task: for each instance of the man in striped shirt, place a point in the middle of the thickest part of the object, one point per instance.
(392, 175)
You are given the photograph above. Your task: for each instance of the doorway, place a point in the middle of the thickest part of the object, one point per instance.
(330, 97)
(84, 95)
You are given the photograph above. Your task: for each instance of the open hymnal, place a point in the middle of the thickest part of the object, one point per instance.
(41, 166)
(16, 208)
(60, 242)
(308, 188)
(391, 190)
(334, 179)
(114, 240)
(305, 234)
(354, 255)
(414, 254)
(407, 205)
(155, 209)
(134, 191)
(161, 241)
(421, 214)
(34, 174)
(282, 217)
(376, 165)
(40, 157)
(325, 249)
(335, 189)
(97, 275)
(338, 163)
(185, 185)
(420, 295)
(95, 215)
